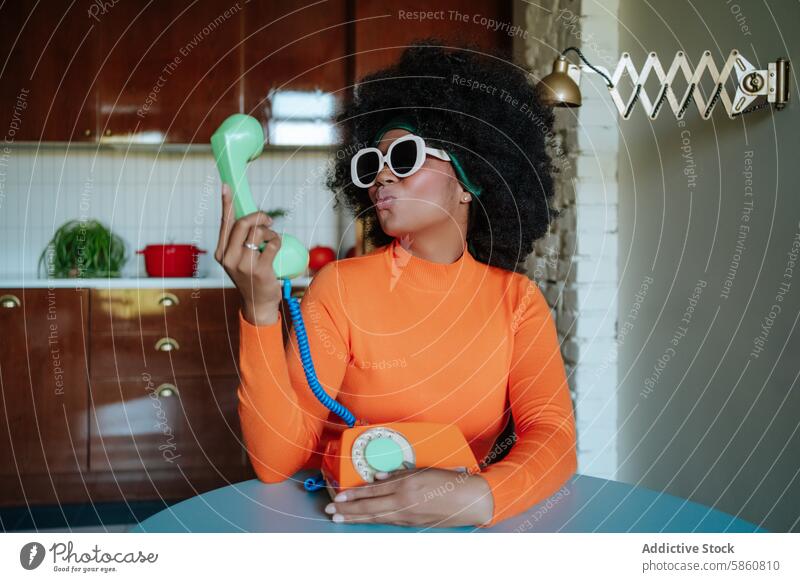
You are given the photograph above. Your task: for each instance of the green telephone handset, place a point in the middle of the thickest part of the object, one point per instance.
(237, 141)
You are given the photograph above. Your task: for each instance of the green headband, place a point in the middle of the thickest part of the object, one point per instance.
(403, 122)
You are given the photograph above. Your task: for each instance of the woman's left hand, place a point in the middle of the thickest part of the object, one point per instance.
(417, 497)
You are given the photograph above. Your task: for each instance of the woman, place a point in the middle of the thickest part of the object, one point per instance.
(438, 323)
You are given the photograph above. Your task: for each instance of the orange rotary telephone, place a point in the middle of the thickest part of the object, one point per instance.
(360, 452)
(363, 449)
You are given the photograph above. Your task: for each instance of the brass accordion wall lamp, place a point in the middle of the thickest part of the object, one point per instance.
(755, 88)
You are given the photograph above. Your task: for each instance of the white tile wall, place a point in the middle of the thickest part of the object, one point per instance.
(150, 197)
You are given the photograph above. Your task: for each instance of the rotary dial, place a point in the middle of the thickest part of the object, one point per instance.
(380, 449)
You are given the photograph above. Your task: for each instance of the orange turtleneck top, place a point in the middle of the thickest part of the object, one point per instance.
(396, 338)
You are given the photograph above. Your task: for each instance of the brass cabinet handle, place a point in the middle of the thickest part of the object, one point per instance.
(9, 301)
(167, 390)
(108, 132)
(168, 300)
(167, 344)
(87, 132)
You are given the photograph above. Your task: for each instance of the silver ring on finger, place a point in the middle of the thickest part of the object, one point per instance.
(251, 246)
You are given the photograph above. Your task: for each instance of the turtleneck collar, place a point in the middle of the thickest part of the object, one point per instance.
(408, 270)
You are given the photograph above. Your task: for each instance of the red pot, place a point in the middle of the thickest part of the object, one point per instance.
(170, 260)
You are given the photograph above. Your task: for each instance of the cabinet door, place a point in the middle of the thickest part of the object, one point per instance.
(163, 423)
(48, 68)
(293, 45)
(170, 70)
(43, 381)
(382, 30)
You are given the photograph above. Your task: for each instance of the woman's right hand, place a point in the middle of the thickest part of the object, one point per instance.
(250, 270)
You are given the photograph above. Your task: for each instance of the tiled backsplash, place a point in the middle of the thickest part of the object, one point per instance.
(150, 197)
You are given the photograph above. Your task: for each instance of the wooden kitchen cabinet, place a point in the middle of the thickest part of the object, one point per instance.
(170, 70)
(293, 45)
(383, 29)
(163, 332)
(156, 423)
(146, 72)
(163, 381)
(135, 310)
(43, 375)
(130, 355)
(47, 82)
(114, 417)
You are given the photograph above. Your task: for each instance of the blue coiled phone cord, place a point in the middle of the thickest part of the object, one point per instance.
(314, 483)
(308, 365)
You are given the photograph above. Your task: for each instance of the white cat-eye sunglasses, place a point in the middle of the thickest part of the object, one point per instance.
(405, 157)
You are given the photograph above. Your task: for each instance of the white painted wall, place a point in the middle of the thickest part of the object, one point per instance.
(701, 416)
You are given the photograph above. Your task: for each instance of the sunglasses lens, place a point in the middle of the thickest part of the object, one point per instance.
(367, 167)
(403, 157)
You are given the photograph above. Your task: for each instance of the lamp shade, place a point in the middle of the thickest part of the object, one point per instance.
(558, 89)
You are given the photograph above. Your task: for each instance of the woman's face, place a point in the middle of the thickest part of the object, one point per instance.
(423, 201)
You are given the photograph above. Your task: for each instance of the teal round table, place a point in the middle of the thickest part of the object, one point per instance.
(584, 504)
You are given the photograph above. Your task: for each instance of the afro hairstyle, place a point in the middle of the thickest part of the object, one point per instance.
(499, 132)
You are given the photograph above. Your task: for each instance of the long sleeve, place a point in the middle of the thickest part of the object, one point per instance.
(544, 456)
(281, 419)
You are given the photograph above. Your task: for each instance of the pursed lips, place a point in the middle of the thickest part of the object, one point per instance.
(384, 200)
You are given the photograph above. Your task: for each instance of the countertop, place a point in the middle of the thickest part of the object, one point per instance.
(142, 282)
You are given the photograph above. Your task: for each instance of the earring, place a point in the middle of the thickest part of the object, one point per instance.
(466, 198)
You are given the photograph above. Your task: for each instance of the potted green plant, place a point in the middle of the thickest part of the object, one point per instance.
(276, 213)
(83, 249)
